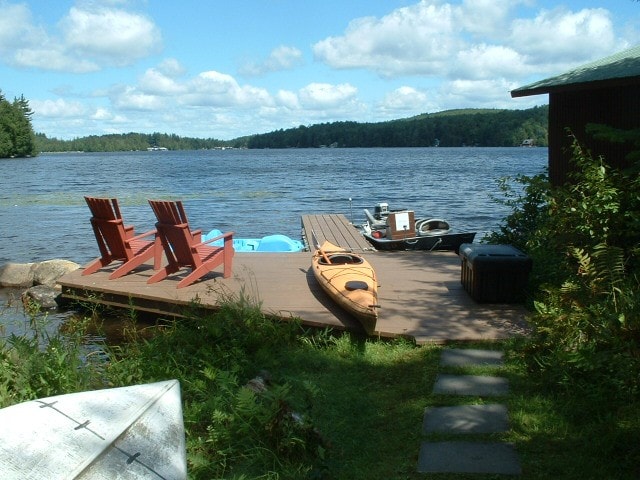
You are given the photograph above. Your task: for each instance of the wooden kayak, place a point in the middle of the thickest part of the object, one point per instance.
(350, 281)
(129, 432)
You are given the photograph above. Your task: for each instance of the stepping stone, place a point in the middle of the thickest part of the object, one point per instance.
(466, 419)
(468, 457)
(471, 385)
(460, 357)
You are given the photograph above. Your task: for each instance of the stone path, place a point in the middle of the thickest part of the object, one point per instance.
(460, 455)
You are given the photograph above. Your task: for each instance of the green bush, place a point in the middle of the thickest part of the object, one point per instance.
(584, 241)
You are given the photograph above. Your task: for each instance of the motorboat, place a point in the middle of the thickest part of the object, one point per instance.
(389, 229)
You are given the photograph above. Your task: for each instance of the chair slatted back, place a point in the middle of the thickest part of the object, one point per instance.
(108, 227)
(175, 234)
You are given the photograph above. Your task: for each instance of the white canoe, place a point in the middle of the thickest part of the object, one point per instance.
(120, 433)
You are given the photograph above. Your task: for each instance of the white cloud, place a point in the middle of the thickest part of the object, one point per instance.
(171, 68)
(404, 99)
(88, 39)
(57, 108)
(155, 82)
(477, 93)
(410, 40)
(288, 99)
(17, 28)
(560, 36)
(325, 95)
(487, 61)
(475, 39)
(131, 98)
(217, 89)
(116, 36)
(281, 58)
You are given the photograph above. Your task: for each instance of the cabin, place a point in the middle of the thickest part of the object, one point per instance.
(606, 92)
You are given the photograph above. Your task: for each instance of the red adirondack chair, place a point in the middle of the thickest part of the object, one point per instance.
(118, 241)
(184, 248)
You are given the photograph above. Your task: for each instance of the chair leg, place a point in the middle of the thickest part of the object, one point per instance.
(228, 259)
(158, 250)
(193, 276)
(163, 273)
(132, 264)
(96, 265)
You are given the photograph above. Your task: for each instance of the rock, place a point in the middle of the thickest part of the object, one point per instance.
(30, 274)
(16, 274)
(44, 295)
(48, 272)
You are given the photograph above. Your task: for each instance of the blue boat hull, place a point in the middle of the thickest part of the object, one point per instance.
(269, 243)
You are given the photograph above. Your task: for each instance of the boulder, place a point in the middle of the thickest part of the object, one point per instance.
(16, 274)
(30, 274)
(45, 296)
(48, 272)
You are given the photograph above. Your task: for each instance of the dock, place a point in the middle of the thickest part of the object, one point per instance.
(420, 292)
(336, 229)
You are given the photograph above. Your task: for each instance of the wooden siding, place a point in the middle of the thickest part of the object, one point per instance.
(613, 106)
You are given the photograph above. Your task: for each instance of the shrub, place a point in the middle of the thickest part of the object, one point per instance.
(584, 241)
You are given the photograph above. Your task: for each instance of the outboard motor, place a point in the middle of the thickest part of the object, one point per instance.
(381, 211)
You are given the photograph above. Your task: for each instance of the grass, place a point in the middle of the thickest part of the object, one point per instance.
(337, 406)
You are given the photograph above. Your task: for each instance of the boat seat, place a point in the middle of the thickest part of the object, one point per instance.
(356, 285)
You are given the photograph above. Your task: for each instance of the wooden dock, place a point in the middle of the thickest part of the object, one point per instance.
(420, 293)
(336, 229)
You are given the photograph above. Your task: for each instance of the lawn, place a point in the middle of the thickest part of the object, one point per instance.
(336, 405)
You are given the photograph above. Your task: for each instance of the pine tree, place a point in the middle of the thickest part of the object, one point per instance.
(17, 138)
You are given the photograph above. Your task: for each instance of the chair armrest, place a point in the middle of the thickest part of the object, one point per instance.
(143, 235)
(196, 235)
(224, 235)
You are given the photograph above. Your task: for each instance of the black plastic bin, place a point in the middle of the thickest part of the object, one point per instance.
(494, 273)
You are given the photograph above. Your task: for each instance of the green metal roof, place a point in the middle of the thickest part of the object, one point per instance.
(623, 65)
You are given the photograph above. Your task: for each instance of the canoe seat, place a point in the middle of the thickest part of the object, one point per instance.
(356, 285)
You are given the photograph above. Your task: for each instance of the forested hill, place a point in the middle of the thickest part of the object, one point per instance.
(129, 142)
(452, 128)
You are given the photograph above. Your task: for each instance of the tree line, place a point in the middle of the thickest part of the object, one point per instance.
(16, 132)
(454, 128)
(128, 142)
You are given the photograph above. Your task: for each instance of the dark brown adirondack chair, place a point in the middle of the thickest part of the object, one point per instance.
(118, 241)
(184, 248)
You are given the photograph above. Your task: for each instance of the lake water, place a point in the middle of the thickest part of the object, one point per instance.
(252, 192)
(43, 214)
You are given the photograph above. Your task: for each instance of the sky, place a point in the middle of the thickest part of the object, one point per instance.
(228, 68)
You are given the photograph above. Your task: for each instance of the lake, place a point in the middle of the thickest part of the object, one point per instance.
(252, 192)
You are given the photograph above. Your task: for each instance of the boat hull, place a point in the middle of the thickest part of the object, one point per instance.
(449, 241)
(349, 280)
(130, 432)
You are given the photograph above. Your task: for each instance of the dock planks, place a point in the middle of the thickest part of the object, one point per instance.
(420, 295)
(336, 229)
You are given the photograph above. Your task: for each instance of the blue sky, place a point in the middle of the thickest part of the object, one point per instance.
(223, 69)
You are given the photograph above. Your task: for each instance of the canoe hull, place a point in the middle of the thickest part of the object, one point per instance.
(350, 281)
(449, 241)
(130, 432)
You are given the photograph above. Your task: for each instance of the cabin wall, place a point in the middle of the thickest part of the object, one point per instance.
(614, 106)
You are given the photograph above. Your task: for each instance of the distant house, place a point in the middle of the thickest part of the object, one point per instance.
(606, 92)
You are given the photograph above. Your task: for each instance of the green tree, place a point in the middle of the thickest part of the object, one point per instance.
(17, 138)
